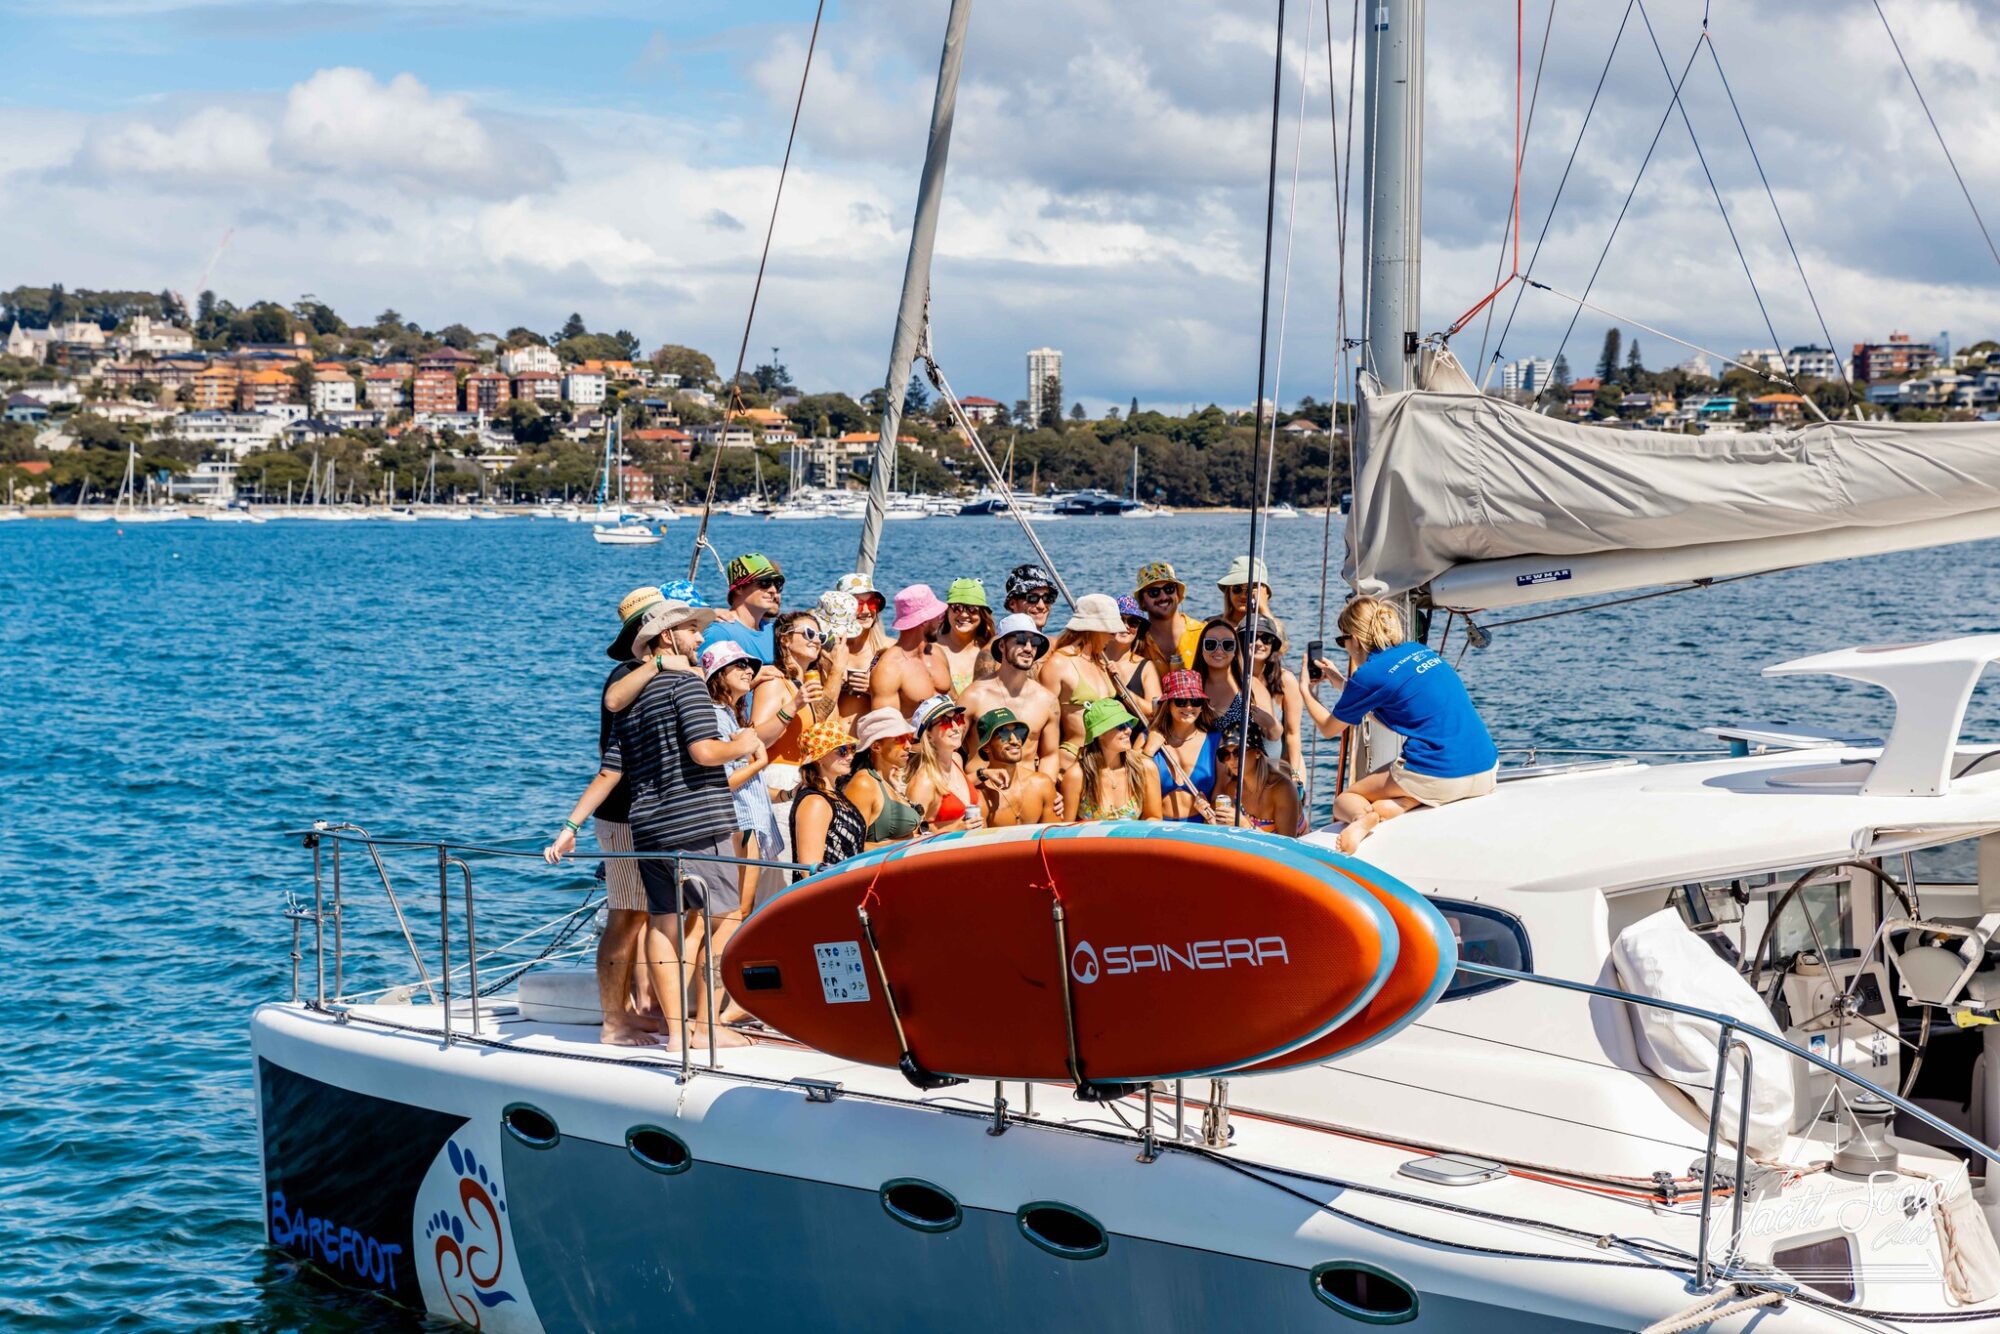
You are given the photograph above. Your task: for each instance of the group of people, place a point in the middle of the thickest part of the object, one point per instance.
(748, 733)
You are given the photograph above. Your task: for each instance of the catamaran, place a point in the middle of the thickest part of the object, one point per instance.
(1720, 1050)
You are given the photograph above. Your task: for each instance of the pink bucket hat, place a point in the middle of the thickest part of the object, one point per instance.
(915, 606)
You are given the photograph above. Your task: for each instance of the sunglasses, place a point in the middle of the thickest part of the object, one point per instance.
(961, 609)
(1266, 640)
(1012, 642)
(1342, 640)
(1187, 703)
(1041, 597)
(772, 583)
(870, 603)
(808, 633)
(1218, 646)
(1011, 732)
(949, 720)
(1158, 591)
(843, 752)
(1137, 622)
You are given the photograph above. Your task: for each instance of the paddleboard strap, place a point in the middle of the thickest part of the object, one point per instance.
(907, 1062)
(1086, 1090)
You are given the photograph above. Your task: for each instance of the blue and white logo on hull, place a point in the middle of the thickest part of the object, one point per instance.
(466, 1261)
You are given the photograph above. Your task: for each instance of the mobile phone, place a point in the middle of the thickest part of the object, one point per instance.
(1315, 650)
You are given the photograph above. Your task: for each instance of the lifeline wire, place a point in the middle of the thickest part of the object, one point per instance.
(1245, 646)
(743, 349)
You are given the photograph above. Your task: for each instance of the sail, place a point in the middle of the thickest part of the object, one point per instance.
(1492, 505)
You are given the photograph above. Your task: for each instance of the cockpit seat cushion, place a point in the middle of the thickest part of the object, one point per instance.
(1658, 957)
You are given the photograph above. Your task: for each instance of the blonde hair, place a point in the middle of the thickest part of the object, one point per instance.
(1372, 623)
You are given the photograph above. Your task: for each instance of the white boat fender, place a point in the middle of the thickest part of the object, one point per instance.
(1658, 956)
(1971, 1260)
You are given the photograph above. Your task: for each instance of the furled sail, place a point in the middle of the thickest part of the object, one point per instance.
(1492, 505)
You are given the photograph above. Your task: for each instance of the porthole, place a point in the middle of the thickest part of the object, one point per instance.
(1485, 935)
(659, 1150)
(1363, 1292)
(530, 1125)
(1061, 1230)
(920, 1205)
(1824, 1262)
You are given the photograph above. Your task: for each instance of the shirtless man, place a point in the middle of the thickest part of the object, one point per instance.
(1017, 644)
(1012, 789)
(912, 669)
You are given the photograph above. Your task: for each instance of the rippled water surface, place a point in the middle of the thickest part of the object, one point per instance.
(173, 698)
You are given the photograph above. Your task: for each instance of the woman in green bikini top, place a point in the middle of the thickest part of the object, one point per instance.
(877, 788)
(1112, 779)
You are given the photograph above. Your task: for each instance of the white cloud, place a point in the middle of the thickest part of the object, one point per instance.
(345, 120)
(214, 145)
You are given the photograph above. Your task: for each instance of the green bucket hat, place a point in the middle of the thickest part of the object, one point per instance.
(993, 720)
(966, 593)
(1104, 715)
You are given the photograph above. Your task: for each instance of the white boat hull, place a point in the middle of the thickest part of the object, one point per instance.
(387, 1158)
(625, 537)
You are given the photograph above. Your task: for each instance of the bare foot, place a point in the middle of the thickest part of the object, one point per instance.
(626, 1035)
(733, 1013)
(1350, 837)
(729, 1037)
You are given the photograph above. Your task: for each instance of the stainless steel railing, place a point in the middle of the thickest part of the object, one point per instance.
(452, 856)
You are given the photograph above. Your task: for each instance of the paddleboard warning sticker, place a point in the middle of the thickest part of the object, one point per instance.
(841, 976)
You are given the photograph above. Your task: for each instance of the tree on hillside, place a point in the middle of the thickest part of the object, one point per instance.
(521, 336)
(1634, 366)
(1076, 412)
(573, 327)
(1052, 400)
(772, 378)
(458, 336)
(1021, 413)
(915, 398)
(1607, 360)
(1559, 373)
(1135, 408)
(694, 368)
(312, 311)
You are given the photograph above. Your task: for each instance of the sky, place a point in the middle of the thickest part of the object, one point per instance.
(503, 163)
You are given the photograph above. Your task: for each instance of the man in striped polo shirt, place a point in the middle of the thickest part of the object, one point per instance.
(669, 753)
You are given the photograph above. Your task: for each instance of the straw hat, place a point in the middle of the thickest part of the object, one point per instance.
(822, 739)
(1096, 611)
(632, 609)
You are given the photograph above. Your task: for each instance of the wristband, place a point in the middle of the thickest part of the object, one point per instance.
(573, 826)
(786, 718)
(659, 662)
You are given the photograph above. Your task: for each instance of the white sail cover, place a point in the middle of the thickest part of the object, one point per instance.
(1492, 505)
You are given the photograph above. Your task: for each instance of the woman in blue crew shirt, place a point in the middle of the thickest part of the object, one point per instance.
(1448, 754)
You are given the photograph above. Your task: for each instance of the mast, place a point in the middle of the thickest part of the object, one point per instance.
(916, 281)
(1393, 159)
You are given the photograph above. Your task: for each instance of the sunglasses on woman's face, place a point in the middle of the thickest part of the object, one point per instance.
(1218, 646)
(868, 606)
(1269, 641)
(1342, 640)
(1136, 622)
(1187, 703)
(842, 752)
(808, 633)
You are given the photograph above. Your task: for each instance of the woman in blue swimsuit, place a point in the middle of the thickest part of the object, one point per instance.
(1183, 748)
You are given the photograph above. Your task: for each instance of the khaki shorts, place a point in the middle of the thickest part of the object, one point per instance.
(1441, 791)
(624, 888)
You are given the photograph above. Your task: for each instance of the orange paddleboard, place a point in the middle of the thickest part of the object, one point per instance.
(1182, 951)
(1425, 962)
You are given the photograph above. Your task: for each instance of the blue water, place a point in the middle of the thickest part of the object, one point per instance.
(173, 698)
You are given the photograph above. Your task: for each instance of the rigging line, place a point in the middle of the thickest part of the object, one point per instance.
(1702, 158)
(1641, 597)
(1619, 221)
(1771, 195)
(1291, 221)
(1374, 142)
(1252, 601)
(756, 290)
(1514, 223)
(1568, 166)
(1759, 371)
(1925, 104)
(1513, 227)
